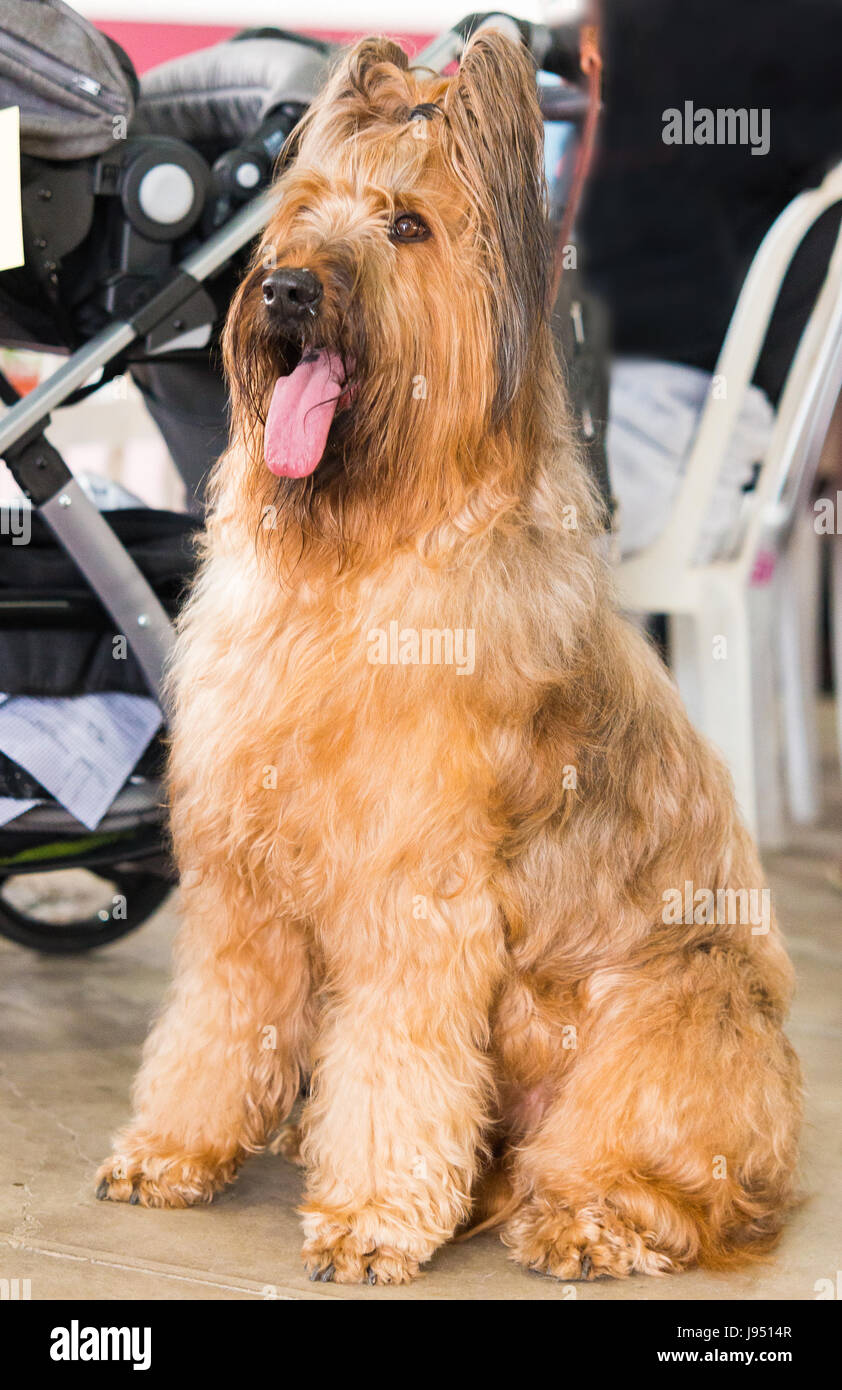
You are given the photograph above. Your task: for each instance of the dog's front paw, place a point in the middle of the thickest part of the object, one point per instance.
(350, 1252)
(153, 1176)
(345, 1263)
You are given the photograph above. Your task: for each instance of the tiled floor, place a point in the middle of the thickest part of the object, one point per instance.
(70, 1036)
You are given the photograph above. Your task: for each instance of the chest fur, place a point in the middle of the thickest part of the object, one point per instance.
(342, 719)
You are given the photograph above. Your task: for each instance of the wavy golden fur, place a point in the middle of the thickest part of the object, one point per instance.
(437, 894)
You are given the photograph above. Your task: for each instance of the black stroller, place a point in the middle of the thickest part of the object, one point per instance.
(140, 202)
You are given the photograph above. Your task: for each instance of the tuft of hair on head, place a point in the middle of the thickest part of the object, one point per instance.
(497, 151)
(373, 78)
(365, 62)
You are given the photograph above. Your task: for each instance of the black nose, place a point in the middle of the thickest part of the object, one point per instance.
(289, 294)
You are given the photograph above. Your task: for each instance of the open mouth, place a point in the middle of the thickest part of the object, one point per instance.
(301, 413)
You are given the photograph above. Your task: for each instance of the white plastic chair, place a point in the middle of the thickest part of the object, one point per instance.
(753, 601)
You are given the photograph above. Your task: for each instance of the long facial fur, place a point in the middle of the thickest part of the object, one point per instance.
(453, 373)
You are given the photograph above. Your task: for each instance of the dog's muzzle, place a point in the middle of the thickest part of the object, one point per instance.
(291, 295)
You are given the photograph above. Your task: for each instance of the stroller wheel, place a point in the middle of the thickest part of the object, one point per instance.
(57, 912)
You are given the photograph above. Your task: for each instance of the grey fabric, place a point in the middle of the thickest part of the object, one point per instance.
(224, 92)
(654, 413)
(65, 77)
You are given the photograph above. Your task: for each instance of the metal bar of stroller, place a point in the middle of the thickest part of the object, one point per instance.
(201, 263)
(115, 578)
(447, 48)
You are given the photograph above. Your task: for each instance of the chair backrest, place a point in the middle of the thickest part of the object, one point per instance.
(803, 417)
(803, 412)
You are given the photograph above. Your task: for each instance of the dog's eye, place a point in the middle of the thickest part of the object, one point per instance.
(408, 226)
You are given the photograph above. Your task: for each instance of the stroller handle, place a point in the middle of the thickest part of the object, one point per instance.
(543, 43)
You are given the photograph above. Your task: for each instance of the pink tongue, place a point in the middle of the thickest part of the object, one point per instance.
(301, 414)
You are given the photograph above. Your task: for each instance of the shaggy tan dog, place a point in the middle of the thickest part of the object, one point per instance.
(434, 801)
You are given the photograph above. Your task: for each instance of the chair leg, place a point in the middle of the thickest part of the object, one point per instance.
(725, 672)
(797, 595)
(685, 660)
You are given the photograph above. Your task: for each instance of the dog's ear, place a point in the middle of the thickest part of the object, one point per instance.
(497, 151)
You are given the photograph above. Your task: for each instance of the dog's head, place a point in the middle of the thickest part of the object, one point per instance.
(385, 331)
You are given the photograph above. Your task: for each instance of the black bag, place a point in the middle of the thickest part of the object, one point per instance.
(75, 87)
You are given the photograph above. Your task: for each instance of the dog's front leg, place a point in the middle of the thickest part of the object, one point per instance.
(223, 1063)
(401, 1089)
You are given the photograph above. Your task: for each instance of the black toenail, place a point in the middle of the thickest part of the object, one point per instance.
(370, 1276)
(327, 1274)
(135, 1197)
(102, 1190)
(587, 1266)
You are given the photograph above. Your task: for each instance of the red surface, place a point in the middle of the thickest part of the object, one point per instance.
(150, 44)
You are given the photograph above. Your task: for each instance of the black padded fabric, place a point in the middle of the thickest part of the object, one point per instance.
(189, 403)
(68, 650)
(161, 542)
(225, 92)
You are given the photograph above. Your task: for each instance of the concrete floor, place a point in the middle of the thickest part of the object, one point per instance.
(70, 1037)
